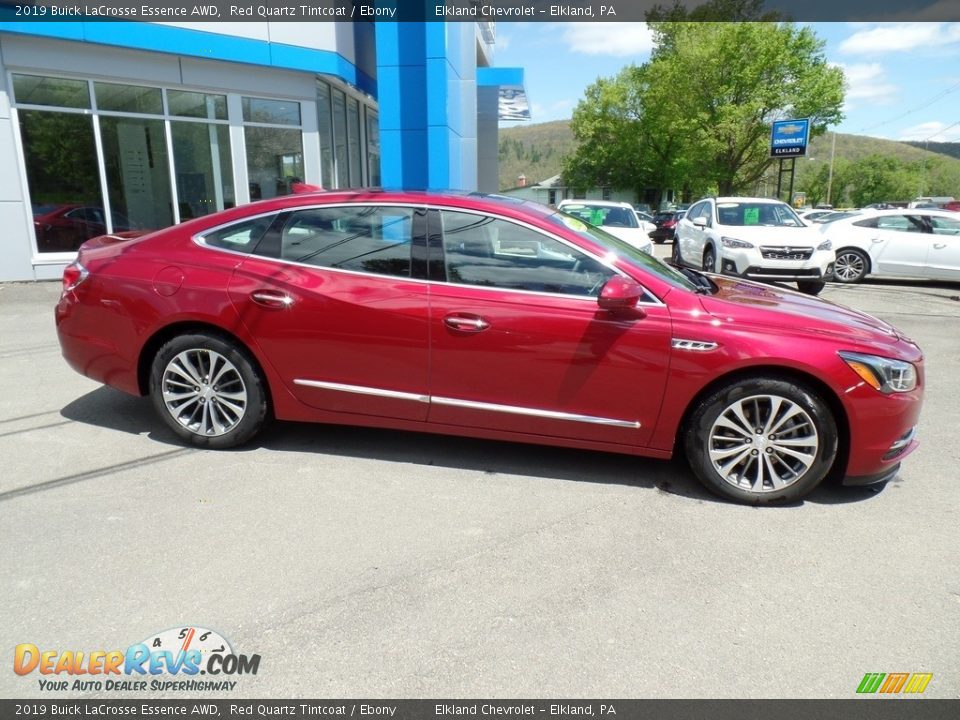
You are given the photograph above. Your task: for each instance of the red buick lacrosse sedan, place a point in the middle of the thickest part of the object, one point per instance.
(488, 317)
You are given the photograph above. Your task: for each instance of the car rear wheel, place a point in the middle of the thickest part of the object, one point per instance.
(710, 260)
(208, 391)
(761, 441)
(851, 266)
(811, 287)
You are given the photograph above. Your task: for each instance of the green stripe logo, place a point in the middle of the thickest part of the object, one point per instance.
(894, 683)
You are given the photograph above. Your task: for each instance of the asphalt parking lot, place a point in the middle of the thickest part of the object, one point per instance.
(367, 563)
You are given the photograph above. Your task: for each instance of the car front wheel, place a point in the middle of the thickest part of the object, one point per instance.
(208, 391)
(710, 260)
(761, 441)
(851, 266)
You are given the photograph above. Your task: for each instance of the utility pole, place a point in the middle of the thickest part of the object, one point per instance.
(833, 151)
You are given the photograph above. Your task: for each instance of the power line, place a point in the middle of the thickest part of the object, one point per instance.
(941, 130)
(928, 103)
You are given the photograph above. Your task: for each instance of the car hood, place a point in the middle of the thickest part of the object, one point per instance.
(743, 302)
(769, 235)
(635, 236)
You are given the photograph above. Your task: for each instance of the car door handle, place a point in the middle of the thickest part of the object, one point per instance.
(271, 299)
(877, 240)
(466, 323)
(939, 246)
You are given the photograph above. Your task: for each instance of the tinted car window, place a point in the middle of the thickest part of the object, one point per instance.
(603, 216)
(766, 214)
(944, 226)
(481, 250)
(369, 239)
(902, 223)
(241, 237)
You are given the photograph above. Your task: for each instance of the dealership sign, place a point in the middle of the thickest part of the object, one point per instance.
(788, 138)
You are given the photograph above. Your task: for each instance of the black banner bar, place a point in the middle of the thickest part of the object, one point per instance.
(457, 10)
(873, 708)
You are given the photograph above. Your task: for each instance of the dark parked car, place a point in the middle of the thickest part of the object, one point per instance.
(491, 318)
(64, 227)
(666, 223)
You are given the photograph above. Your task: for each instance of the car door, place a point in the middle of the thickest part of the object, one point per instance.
(692, 239)
(519, 344)
(331, 300)
(899, 245)
(943, 257)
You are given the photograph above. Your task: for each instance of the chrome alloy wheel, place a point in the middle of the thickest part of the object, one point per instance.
(763, 443)
(204, 392)
(849, 267)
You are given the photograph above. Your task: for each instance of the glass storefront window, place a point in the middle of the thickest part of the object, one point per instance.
(128, 98)
(353, 135)
(324, 129)
(61, 165)
(138, 173)
(274, 161)
(340, 139)
(57, 92)
(273, 112)
(373, 149)
(197, 105)
(201, 159)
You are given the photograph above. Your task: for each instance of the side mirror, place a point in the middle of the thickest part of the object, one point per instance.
(700, 222)
(621, 294)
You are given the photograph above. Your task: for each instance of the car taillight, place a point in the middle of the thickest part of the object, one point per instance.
(73, 275)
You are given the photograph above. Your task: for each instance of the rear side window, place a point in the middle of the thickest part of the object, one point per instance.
(241, 237)
(364, 238)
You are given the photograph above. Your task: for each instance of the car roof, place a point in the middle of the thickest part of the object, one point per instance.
(772, 201)
(599, 203)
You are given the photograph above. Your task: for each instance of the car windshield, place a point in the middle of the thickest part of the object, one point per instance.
(754, 213)
(622, 249)
(603, 215)
(663, 216)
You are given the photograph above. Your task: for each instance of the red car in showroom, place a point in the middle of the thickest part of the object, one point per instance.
(488, 317)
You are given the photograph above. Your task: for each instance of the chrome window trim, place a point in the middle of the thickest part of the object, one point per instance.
(198, 239)
(468, 404)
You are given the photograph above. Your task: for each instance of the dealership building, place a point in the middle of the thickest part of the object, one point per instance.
(112, 126)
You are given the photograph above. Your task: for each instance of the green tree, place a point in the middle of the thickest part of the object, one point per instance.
(698, 114)
(878, 178)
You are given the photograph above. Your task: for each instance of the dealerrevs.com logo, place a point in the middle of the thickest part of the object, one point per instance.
(183, 653)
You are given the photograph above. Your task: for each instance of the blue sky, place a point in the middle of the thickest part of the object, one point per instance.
(903, 79)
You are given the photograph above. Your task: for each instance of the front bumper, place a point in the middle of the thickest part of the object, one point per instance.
(751, 264)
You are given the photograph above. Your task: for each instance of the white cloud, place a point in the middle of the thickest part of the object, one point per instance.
(867, 82)
(934, 131)
(617, 39)
(893, 37)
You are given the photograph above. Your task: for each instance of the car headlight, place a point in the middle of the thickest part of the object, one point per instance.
(883, 374)
(734, 243)
(825, 245)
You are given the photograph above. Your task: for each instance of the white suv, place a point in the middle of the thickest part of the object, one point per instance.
(755, 238)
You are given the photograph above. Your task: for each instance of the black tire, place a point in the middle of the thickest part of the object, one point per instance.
(735, 469)
(709, 260)
(851, 266)
(227, 403)
(675, 256)
(811, 287)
